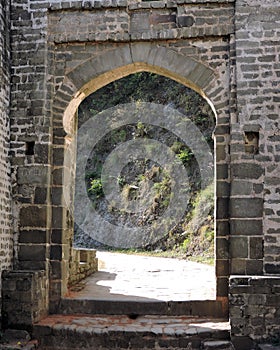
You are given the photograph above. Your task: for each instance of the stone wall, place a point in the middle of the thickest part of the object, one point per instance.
(25, 298)
(255, 171)
(254, 310)
(254, 242)
(83, 263)
(6, 244)
(62, 51)
(30, 135)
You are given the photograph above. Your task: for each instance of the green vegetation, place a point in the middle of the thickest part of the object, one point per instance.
(185, 155)
(96, 188)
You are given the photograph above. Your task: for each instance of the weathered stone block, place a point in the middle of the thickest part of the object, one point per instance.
(41, 195)
(246, 227)
(238, 266)
(222, 171)
(241, 188)
(34, 216)
(247, 171)
(185, 21)
(222, 208)
(34, 236)
(33, 175)
(58, 217)
(56, 252)
(272, 268)
(29, 301)
(246, 207)
(256, 247)
(32, 252)
(239, 247)
(254, 267)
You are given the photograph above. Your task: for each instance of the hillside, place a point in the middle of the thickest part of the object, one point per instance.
(194, 233)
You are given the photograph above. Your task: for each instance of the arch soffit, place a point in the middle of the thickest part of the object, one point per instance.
(114, 64)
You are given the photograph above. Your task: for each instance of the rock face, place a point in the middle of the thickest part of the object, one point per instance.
(145, 181)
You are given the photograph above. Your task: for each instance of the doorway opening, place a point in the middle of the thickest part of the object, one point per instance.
(156, 121)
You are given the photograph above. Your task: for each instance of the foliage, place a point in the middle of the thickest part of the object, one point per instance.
(185, 155)
(96, 188)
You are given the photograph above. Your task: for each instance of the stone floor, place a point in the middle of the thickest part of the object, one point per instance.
(136, 277)
(67, 332)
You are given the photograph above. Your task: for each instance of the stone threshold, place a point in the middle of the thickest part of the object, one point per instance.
(199, 308)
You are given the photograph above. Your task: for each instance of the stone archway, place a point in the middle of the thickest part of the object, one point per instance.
(101, 69)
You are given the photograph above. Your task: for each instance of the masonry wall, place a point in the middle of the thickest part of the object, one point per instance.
(255, 243)
(30, 135)
(255, 171)
(6, 245)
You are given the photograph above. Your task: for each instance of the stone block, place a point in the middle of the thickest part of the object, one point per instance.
(246, 171)
(58, 269)
(222, 267)
(256, 247)
(34, 216)
(58, 156)
(222, 171)
(35, 175)
(239, 247)
(222, 208)
(32, 252)
(238, 266)
(40, 195)
(59, 236)
(42, 153)
(242, 342)
(241, 188)
(139, 21)
(246, 207)
(57, 176)
(185, 21)
(220, 152)
(34, 236)
(246, 227)
(222, 248)
(56, 252)
(222, 228)
(272, 268)
(28, 303)
(58, 217)
(56, 195)
(222, 287)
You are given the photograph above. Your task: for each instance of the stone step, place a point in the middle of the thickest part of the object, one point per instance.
(203, 308)
(217, 345)
(69, 332)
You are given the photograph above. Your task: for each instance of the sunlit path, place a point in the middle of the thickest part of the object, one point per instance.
(136, 277)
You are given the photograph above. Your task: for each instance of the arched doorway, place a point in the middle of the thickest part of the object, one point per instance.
(112, 65)
(147, 185)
